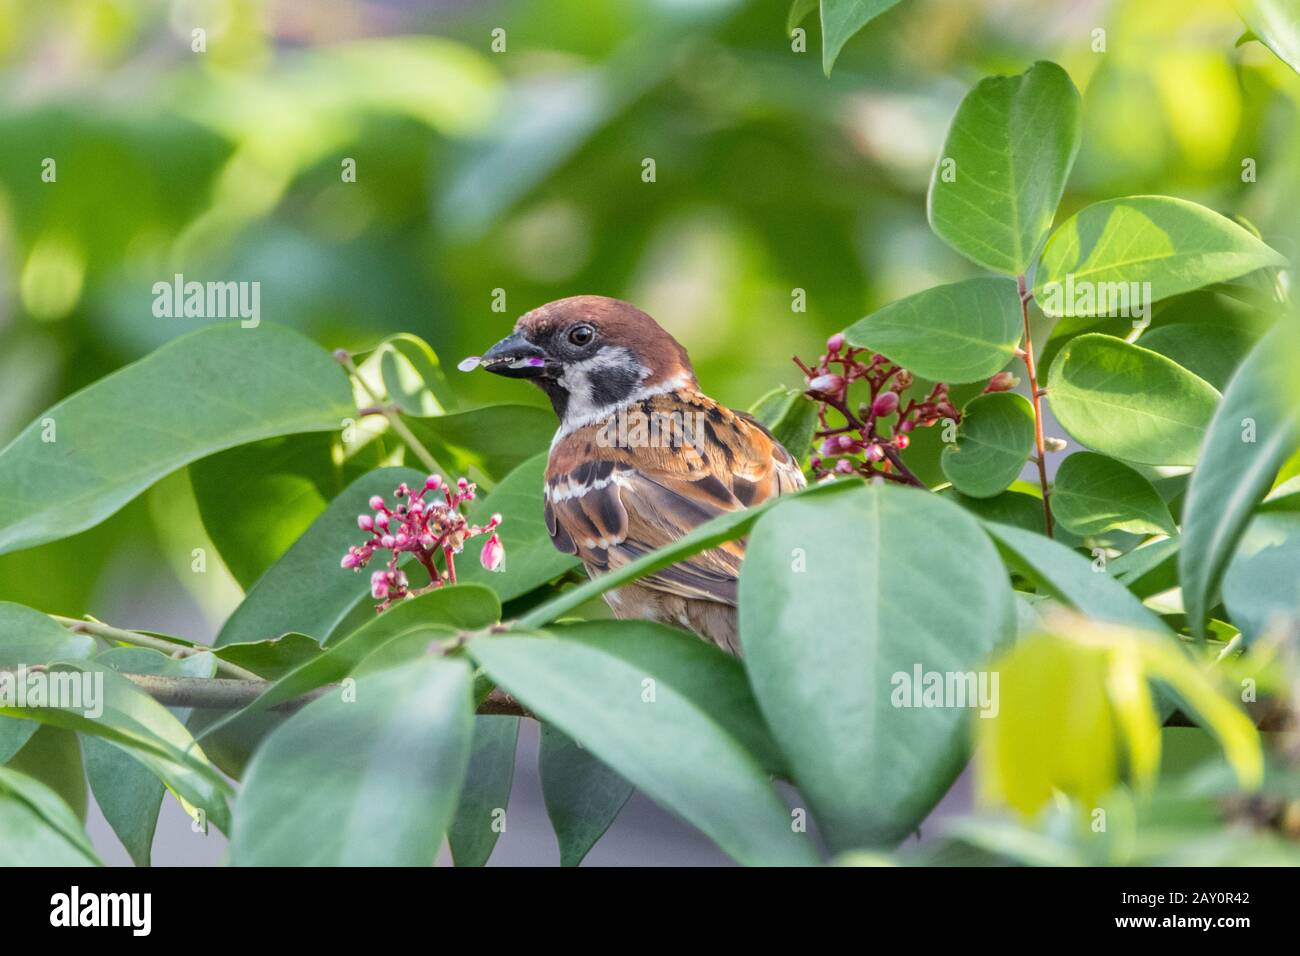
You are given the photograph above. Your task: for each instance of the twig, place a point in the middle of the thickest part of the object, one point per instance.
(1036, 397)
(391, 412)
(137, 639)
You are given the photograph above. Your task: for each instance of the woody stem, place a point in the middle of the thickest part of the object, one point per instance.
(1035, 397)
(390, 412)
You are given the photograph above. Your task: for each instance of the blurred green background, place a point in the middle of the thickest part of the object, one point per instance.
(521, 170)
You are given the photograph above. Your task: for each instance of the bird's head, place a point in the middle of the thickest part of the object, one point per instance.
(591, 354)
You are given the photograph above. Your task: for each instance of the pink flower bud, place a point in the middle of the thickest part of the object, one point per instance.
(1002, 382)
(885, 404)
(844, 467)
(494, 521)
(826, 385)
(875, 453)
(400, 539)
(365, 522)
(901, 441)
(381, 520)
(845, 442)
(493, 556)
(376, 502)
(906, 426)
(351, 560)
(427, 541)
(835, 342)
(433, 481)
(462, 484)
(830, 446)
(379, 585)
(388, 541)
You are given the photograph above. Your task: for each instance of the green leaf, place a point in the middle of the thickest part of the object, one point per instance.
(843, 18)
(1211, 352)
(963, 332)
(1020, 509)
(37, 828)
(1149, 569)
(273, 658)
(29, 637)
(531, 558)
(712, 679)
(493, 440)
(1071, 578)
(827, 632)
(1174, 245)
(1261, 586)
(994, 441)
(1276, 24)
(654, 736)
(407, 370)
(223, 386)
(120, 713)
(367, 782)
(791, 418)
(1256, 428)
(480, 815)
(799, 11)
(725, 527)
(1128, 402)
(1093, 494)
(306, 590)
(1003, 167)
(582, 795)
(53, 756)
(14, 734)
(128, 793)
(256, 500)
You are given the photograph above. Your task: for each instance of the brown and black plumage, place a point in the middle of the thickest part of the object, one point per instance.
(642, 456)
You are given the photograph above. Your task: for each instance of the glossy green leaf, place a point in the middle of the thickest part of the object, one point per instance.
(1209, 351)
(223, 386)
(843, 18)
(1128, 402)
(531, 558)
(654, 736)
(1174, 245)
(37, 828)
(1093, 494)
(1256, 428)
(367, 782)
(963, 332)
(1261, 585)
(1004, 165)
(1276, 24)
(307, 591)
(994, 440)
(481, 813)
(128, 793)
(493, 440)
(838, 609)
(582, 795)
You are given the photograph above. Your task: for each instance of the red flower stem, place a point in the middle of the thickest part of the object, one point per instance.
(1036, 398)
(451, 565)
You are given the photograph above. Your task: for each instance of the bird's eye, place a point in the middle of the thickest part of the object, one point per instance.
(580, 335)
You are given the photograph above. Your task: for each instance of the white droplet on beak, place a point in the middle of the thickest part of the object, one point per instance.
(468, 364)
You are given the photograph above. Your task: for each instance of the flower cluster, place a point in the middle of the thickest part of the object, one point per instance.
(871, 436)
(422, 528)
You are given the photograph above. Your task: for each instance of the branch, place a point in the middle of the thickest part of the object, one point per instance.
(170, 648)
(390, 412)
(1035, 395)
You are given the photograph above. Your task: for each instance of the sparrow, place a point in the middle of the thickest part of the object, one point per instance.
(642, 457)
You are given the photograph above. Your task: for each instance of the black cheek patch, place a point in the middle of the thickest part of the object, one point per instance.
(613, 385)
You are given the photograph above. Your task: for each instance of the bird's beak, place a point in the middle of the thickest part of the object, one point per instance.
(515, 357)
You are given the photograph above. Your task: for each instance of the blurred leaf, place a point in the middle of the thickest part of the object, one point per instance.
(28, 637)
(1208, 351)
(1276, 24)
(582, 795)
(799, 11)
(1010, 149)
(407, 370)
(372, 781)
(481, 813)
(14, 734)
(843, 18)
(1020, 509)
(654, 736)
(128, 793)
(306, 590)
(1129, 402)
(963, 332)
(495, 439)
(791, 418)
(1256, 428)
(256, 500)
(1093, 493)
(1174, 245)
(93, 452)
(821, 669)
(1261, 586)
(37, 828)
(994, 440)
(1149, 569)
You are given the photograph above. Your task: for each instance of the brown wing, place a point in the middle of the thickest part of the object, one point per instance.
(611, 498)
